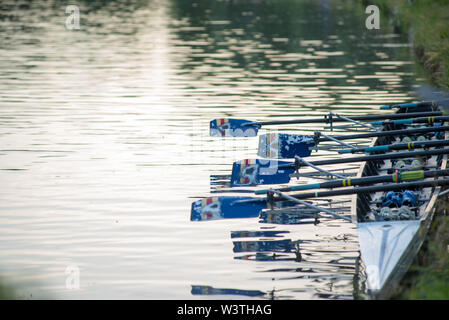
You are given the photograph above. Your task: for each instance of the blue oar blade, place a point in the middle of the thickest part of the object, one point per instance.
(251, 172)
(233, 128)
(214, 208)
(284, 146)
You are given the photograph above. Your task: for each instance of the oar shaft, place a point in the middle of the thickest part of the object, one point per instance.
(375, 157)
(408, 105)
(397, 155)
(388, 133)
(369, 189)
(395, 178)
(374, 117)
(429, 120)
(414, 104)
(398, 146)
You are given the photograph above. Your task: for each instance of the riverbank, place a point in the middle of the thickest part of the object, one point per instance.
(428, 277)
(426, 22)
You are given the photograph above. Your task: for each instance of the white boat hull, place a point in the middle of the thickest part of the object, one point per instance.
(382, 244)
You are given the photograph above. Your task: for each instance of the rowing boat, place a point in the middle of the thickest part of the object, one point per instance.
(392, 225)
(392, 214)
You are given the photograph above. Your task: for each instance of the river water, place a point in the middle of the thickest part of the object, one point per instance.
(104, 141)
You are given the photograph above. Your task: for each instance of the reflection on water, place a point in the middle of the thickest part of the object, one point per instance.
(292, 217)
(324, 265)
(263, 233)
(104, 139)
(261, 246)
(208, 290)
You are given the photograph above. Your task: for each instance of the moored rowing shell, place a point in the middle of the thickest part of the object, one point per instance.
(388, 247)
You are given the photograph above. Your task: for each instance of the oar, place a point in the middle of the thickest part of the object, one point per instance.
(369, 189)
(429, 120)
(397, 177)
(276, 172)
(414, 105)
(228, 127)
(398, 146)
(229, 207)
(285, 146)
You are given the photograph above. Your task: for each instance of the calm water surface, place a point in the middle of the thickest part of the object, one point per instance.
(104, 141)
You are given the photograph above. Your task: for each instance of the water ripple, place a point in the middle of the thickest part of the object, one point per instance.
(104, 140)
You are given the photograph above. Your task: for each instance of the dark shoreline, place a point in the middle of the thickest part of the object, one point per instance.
(425, 23)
